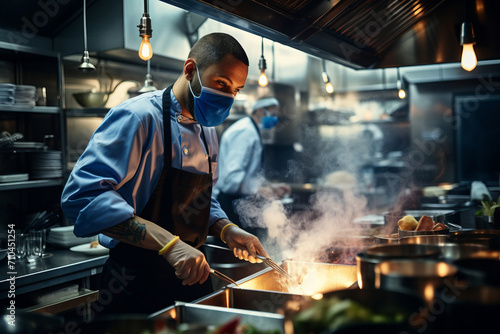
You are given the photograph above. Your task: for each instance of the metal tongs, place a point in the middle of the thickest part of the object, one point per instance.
(277, 267)
(221, 276)
(267, 260)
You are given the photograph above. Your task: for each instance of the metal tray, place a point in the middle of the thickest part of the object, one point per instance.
(313, 277)
(190, 313)
(253, 300)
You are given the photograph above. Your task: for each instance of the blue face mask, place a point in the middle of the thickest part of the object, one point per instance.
(212, 107)
(269, 122)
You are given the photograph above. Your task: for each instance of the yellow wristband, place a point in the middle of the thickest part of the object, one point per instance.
(223, 232)
(168, 245)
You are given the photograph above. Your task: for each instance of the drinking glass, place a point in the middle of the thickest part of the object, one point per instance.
(20, 245)
(33, 248)
(42, 234)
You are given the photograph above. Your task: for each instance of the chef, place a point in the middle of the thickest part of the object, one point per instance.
(144, 184)
(241, 172)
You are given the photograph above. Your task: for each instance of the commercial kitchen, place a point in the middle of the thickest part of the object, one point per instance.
(386, 139)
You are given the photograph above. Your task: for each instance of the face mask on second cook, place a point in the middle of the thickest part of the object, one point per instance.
(269, 122)
(211, 107)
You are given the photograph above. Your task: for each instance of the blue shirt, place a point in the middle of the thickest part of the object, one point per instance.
(118, 171)
(240, 160)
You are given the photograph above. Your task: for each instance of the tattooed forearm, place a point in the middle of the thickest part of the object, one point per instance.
(130, 230)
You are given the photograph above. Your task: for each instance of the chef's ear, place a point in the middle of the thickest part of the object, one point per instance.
(189, 69)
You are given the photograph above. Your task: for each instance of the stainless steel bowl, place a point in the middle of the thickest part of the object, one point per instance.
(90, 99)
(406, 233)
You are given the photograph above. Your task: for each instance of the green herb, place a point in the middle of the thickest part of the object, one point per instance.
(489, 206)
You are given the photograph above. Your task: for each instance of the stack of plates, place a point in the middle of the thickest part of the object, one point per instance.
(25, 96)
(19, 95)
(64, 237)
(7, 94)
(13, 177)
(46, 165)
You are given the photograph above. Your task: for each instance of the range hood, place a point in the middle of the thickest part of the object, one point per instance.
(113, 33)
(362, 34)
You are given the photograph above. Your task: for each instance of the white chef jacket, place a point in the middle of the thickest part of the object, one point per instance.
(118, 171)
(240, 158)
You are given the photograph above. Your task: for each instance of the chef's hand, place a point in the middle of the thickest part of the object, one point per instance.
(245, 246)
(189, 263)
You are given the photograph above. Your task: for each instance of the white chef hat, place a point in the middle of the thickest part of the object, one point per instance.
(265, 103)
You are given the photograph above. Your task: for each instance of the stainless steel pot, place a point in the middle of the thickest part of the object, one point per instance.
(481, 303)
(365, 271)
(425, 239)
(489, 238)
(422, 277)
(479, 271)
(402, 251)
(387, 238)
(451, 251)
(367, 260)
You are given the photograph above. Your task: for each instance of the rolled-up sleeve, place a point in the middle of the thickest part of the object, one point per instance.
(91, 198)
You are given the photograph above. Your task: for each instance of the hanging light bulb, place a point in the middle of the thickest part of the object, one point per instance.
(145, 50)
(263, 81)
(399, 86)
(467, 40)
(326, 79)
(145, 31)
(86, 65)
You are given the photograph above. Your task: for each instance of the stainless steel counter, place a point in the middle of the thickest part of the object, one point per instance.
(63, 266)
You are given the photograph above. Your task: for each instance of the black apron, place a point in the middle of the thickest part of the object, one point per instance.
(137, 280)
(228, 203)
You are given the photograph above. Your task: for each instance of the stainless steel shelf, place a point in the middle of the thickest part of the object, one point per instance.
(35, 109)
(30, 184)
(86, 112)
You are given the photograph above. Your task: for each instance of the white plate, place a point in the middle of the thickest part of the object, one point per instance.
(85, 248)
(62, 229)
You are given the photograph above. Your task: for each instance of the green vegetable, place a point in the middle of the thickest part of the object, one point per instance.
(252, 330)
(334, 313)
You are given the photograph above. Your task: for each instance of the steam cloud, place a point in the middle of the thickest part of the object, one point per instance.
(333, 157)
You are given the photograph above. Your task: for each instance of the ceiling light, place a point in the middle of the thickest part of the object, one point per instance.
(400, 87)
(146, 32)
(467, 40)
(86, 65)
(326, 79)
(263, 81)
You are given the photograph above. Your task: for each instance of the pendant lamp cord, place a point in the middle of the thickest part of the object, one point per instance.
(85, 25)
